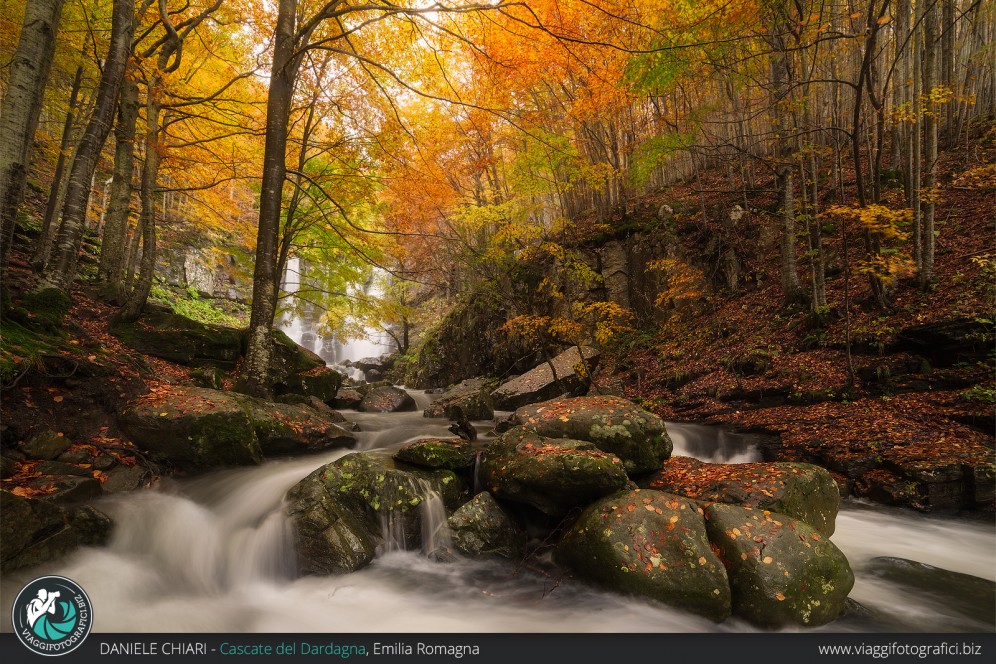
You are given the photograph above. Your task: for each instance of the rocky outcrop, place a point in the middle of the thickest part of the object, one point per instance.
(801, 490)
(35, 531)
(540, 384)
(470, 400)
(481, 528)
(782, 571)
(553, 475)
(651, 544)
(162, 333)
(387, 399)
(435, 453)
(613, 424)
(948, 342)
(199, 428)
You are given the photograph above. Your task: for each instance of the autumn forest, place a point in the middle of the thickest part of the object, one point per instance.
(736, 253)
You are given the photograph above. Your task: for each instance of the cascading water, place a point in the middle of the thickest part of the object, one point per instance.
(214, 554)
(304, 329)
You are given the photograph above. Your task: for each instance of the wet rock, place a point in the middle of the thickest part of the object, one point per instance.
(314, 403)
(801, 490)
(464, 429)
(328, 538)
(613, 424)
(387, 399)
(539, 384)
(384, 495)
(449, 454)
(482, 528)
(553, 475)
(92, 527)
(32, 532)
(781, 570)
(59, 468)
(348, 398)
(78, 455)
(46, 444)
(651, 544)
(469, 400)
(125, 478)
(968, 595)
(68, 489)
(296, 429)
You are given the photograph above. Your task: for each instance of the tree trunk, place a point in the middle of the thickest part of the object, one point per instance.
(255, 377)
(132, 308)
(20, 110)
(930, 128)
(62, 269)
(113, 256)
(43, 245)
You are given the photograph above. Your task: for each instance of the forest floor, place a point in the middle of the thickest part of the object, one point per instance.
(903, 429)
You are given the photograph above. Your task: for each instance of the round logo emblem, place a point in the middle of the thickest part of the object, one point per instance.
(52, 615)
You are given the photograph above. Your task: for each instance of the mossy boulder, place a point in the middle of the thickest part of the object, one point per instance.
(283, 428)
(446, 453)
(782, 571)
(613, 424)
(328, 537)
(387, 399)
(651, 544)
(801, 490)
(43, 309)
(162, 333)
(553, 475)
(320, 382)
(481, 528)
(383, 493)
(199, 428)
(470, 400)
(193, 428)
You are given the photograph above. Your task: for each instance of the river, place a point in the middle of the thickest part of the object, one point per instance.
(213, 554)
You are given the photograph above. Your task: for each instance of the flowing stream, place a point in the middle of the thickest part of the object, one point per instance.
(214, 554)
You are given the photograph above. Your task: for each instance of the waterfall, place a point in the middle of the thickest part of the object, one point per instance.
(435, 535)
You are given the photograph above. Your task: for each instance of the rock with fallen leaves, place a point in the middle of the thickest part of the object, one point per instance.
(470, 400)
(481, 528)
(553, 475)
(387, 399)
(46, 444)
(651, 544)
(782, 571)
(801, 490)
(446, 453)
(541, 383)
(193, 427)
(613, 424)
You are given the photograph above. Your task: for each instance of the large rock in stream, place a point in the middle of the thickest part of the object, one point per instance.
(652, 544)
(387, 399)
(434, 453)
(342, 511)
(470, 400)
(613, 424)
(801, 490)
(198, 428)
(540, 384)
(553, 475)
(782, 571)
(481, 528)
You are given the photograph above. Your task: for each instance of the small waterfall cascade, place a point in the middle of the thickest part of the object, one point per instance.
(435, 533)
(304, 328)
